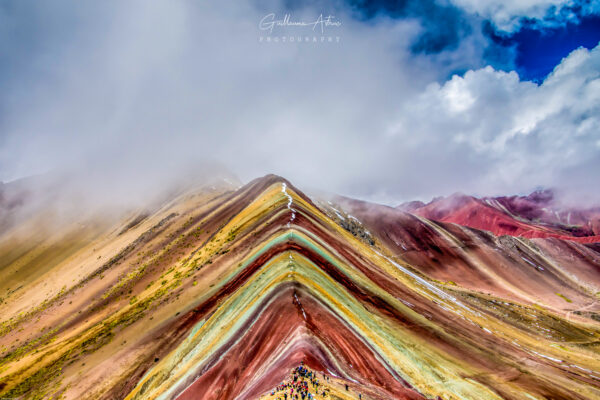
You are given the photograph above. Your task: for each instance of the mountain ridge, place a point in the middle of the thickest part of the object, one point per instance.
(220, 292)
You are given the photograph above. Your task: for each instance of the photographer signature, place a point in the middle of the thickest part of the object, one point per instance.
(268, 22)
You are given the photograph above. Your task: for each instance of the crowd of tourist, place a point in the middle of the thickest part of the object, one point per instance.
(303, 385)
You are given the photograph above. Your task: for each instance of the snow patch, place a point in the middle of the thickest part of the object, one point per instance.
(426, 284)
(548, 357)
(289, 204)
(300, 304)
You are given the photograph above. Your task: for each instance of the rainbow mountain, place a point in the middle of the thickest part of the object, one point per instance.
(218, 292)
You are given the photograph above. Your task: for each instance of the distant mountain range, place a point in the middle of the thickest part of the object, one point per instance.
(537, 215)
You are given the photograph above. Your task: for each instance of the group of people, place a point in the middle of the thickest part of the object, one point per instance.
(298, 386)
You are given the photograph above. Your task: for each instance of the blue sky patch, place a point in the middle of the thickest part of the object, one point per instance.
(539, 49)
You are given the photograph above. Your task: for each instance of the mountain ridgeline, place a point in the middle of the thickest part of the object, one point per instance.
(220, 291)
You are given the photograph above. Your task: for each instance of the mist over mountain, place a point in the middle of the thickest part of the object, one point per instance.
(93, 90)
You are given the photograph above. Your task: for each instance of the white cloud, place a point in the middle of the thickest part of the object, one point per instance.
(515, 135)
(506, 14)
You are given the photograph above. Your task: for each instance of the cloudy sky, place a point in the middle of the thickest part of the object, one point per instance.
(399, 100)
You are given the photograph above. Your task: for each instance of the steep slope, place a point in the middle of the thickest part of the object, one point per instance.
(220, 293)
(557, 274)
